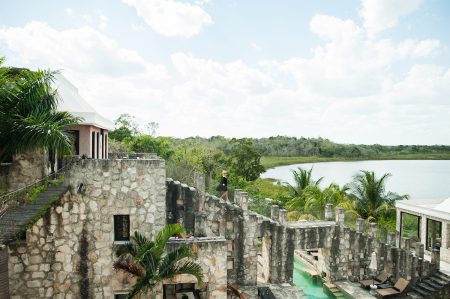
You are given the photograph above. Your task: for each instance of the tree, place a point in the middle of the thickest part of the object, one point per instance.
(126, 127)
(28, 116)
(149, 144)
(245, 160)
(302, 179)
(369, 198)
(316, 199)
(151, 264)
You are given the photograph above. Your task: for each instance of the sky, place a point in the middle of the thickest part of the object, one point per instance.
(368, 71)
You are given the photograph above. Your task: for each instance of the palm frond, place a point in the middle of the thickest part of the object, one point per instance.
(168, 231)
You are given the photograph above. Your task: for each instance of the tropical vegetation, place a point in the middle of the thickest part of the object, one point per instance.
(28, 116)
(151, 264)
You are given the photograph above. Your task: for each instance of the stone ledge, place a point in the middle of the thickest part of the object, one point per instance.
(196, 240)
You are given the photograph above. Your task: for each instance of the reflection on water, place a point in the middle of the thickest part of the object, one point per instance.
(312, 287)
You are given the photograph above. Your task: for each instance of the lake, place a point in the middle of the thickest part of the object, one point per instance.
(421, 179)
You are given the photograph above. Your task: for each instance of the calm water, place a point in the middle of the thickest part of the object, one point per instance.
(421, 179)
(313, 290)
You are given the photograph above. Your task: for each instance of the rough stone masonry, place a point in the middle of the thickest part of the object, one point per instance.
(69, 252)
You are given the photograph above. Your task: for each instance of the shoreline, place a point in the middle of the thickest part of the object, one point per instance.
(274, 161)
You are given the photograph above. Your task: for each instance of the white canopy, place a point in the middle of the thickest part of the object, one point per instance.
(72, 102)
(444, 206)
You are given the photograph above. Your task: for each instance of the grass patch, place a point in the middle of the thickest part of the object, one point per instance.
(272, 161)
(32, 195)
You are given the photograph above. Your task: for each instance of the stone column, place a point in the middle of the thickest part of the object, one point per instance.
(406, 244)
(199, 182)
(275, 212)
(435, 259)
(391, 238)
(423, 230)
(283, 216)
(420, 250)
(340, 216)
(250, 250)
(238, 196)
(360, 225)
(373, 230)
(398, 222)
(329, 212)
(189, 202)
(244, 201)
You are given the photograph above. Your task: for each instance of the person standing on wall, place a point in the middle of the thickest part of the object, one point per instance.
(223, 185)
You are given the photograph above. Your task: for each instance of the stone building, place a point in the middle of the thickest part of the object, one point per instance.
(90, 140)
(69, 251)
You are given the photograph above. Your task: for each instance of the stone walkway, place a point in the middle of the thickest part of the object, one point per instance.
(353, 290)
(316, 223)
(280, 291)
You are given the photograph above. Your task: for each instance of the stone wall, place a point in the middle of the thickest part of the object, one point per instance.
(346, 252)
(211, 254)
(27, 168)
(69, 252)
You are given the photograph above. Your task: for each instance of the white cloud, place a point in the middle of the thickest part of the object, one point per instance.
(81, 50)
(102, 21)
(379, 15)
(349, 89)
(137, 28)
(69, 11)
(114, 79)
(172, 18)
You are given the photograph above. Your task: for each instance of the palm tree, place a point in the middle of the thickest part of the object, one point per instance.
(302, 179)
(28, 116)
(316, 199)
(148, 261)
(369, 198)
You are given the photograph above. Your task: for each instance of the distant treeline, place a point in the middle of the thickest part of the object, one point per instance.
(283, 146)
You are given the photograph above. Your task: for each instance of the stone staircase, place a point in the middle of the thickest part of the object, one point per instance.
(16, 219)
(436, 286)
(333, 290)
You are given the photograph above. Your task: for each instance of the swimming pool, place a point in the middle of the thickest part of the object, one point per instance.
(312, 289)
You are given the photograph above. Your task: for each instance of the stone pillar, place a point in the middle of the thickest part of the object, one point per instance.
(420, 250)
(413, 275)
(238, 196)
(391, 238)
(199, 182)
(244, 200)
(423, 230)
(373, 230)
(396, 264)
(200, 224)
(288, 256)
(173, 201)
(276, 253)
(250, 250)
(398, 221)
(189, 202)
(329, 212)
(340, 216)
(275, 212)
(360, 225)
(435, 259)
(283, 216)
(406, 244)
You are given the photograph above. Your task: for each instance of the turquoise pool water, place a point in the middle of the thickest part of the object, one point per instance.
(312, 289)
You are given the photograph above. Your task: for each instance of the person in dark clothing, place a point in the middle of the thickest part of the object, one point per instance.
(223, 185)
